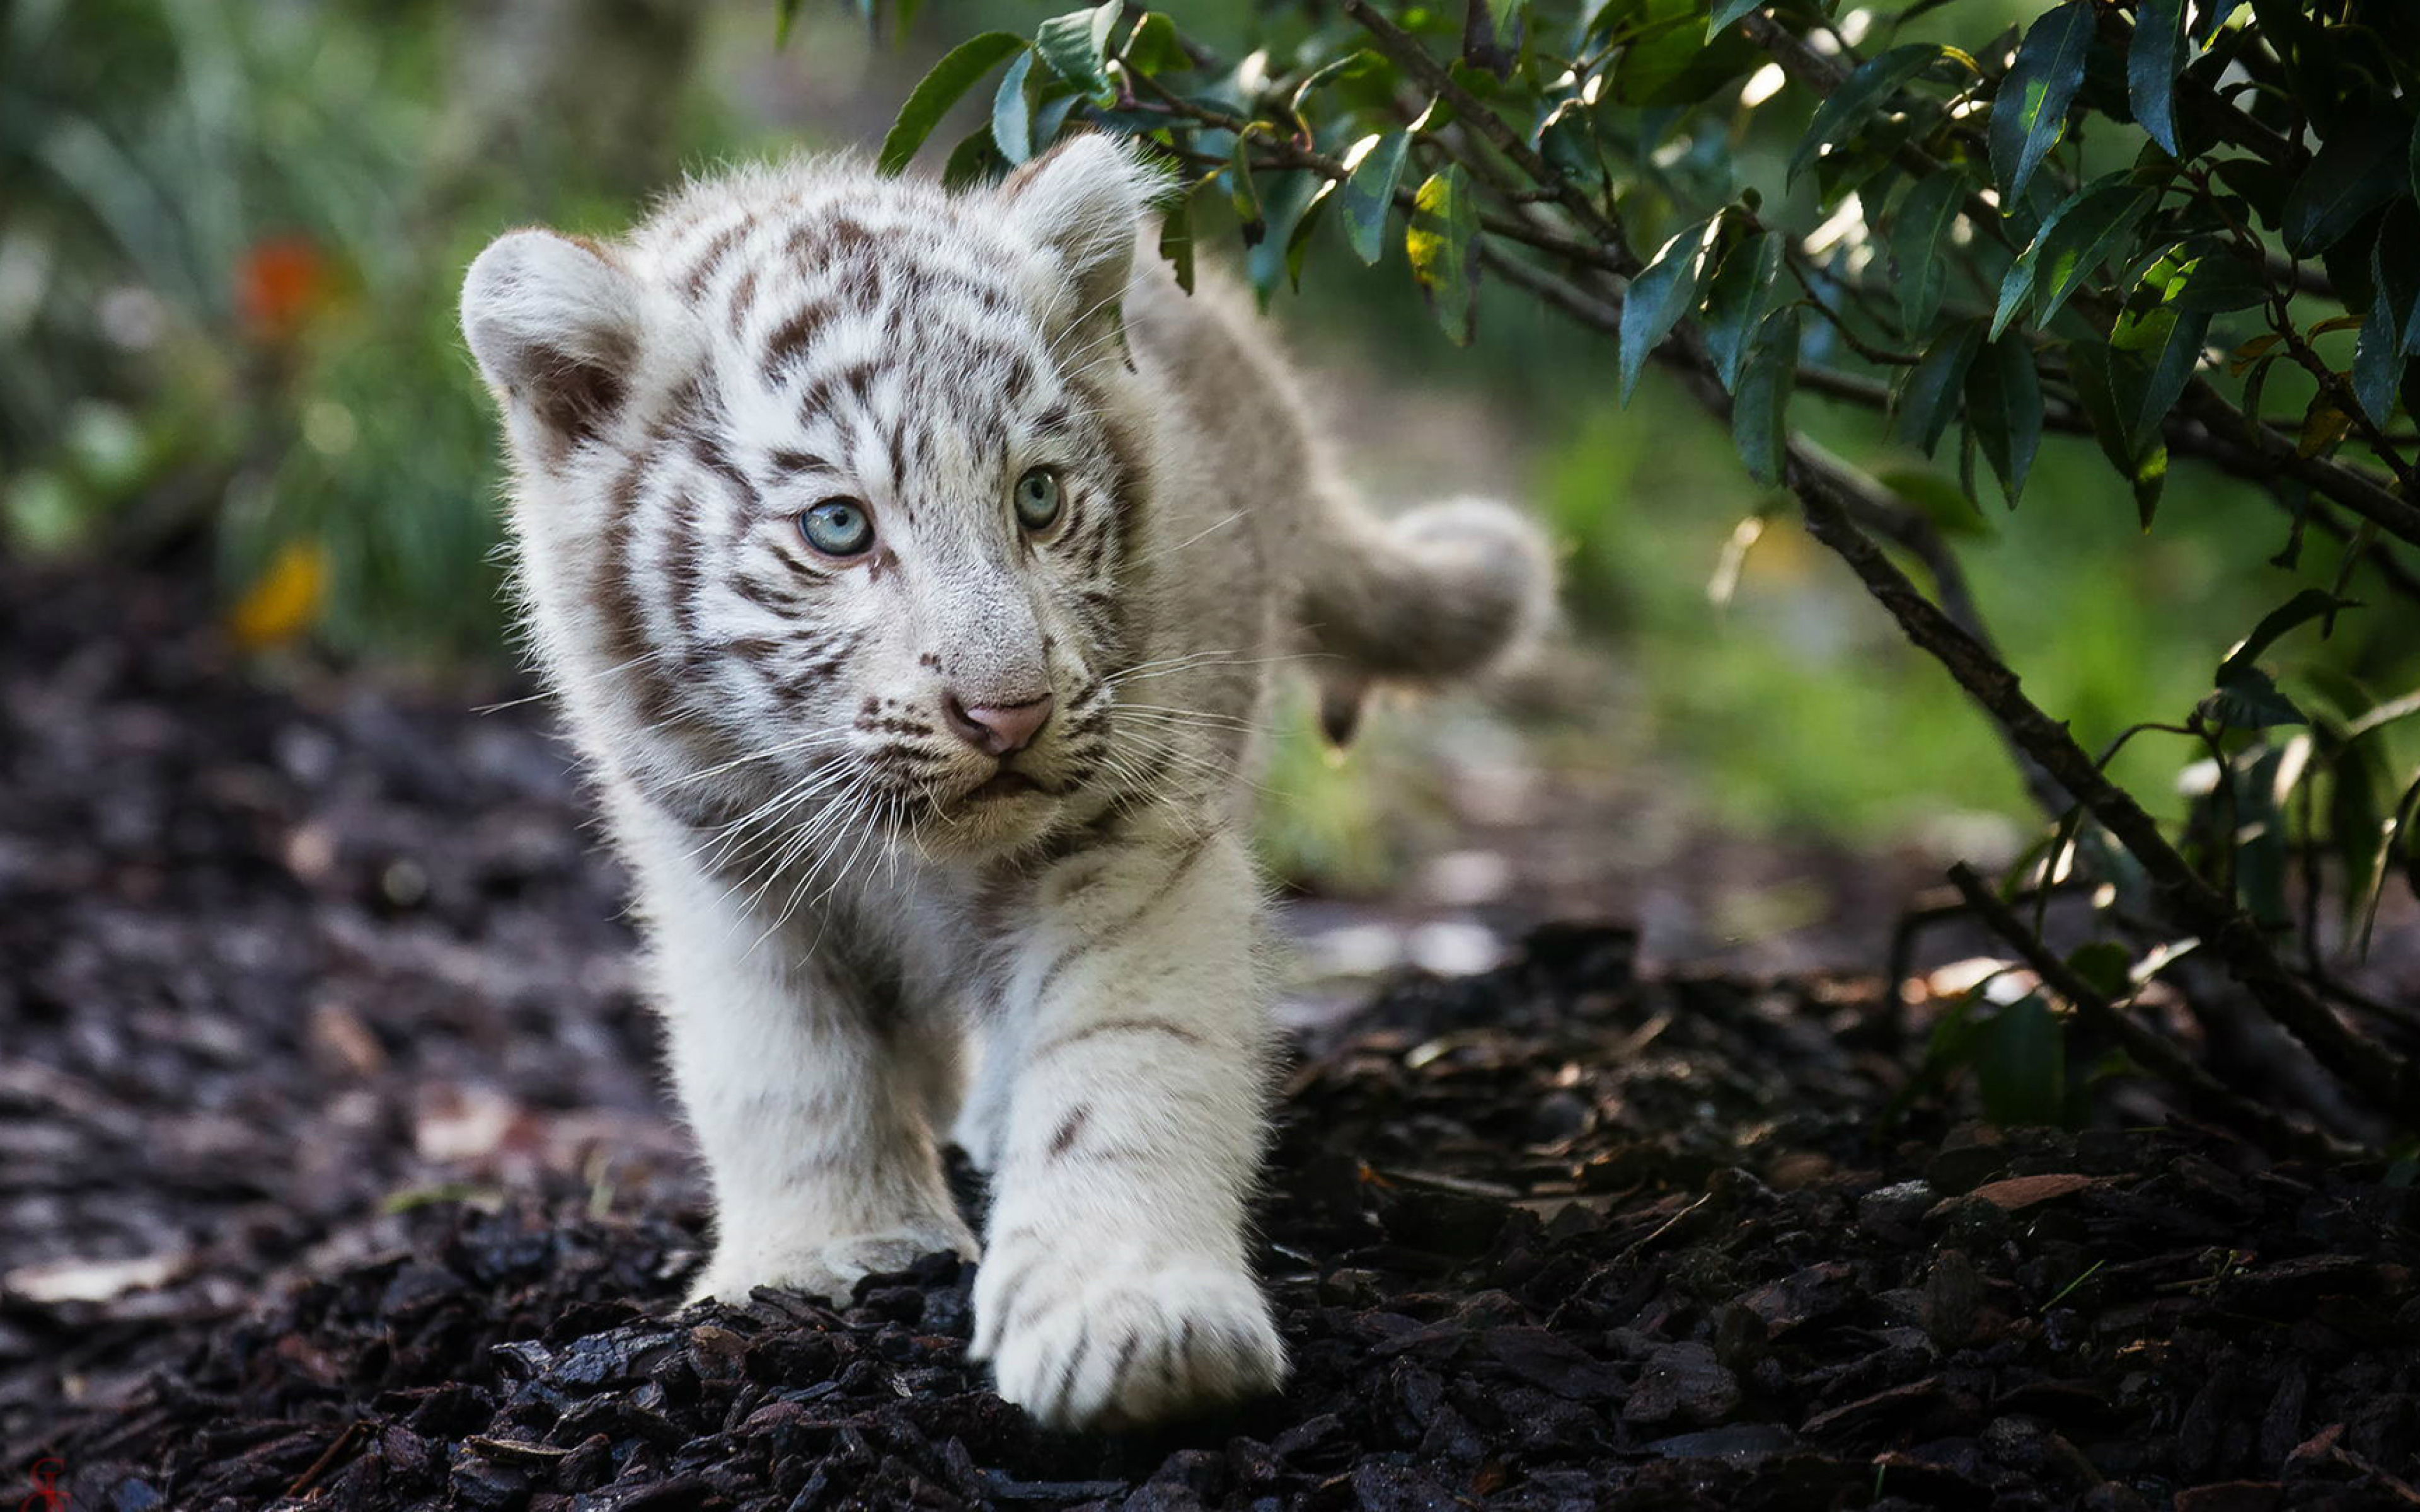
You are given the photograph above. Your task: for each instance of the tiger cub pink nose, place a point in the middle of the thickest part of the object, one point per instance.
(997, 731)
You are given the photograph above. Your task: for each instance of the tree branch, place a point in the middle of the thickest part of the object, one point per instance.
(2386, 1079)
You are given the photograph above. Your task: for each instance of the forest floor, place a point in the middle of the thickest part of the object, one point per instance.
(336, 1175)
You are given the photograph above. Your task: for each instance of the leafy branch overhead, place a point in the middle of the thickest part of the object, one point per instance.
(2183, 231)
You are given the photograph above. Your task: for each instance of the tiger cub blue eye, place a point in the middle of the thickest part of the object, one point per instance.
(837, 527)
(1037, 499)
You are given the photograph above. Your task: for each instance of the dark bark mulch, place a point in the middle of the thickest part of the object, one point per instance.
(334, 1176)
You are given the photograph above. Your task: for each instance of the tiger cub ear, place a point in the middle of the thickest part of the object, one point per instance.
(558, 329)
(1083, 203)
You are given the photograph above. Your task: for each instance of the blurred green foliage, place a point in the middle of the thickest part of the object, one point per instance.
(227, 260)
(228, 250)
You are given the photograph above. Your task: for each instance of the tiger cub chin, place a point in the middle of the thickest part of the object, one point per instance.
(911, 565)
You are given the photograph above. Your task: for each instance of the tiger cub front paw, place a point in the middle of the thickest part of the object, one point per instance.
(1080, 1347)
(829, 1269)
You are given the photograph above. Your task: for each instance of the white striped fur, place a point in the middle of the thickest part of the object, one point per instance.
(840, 925)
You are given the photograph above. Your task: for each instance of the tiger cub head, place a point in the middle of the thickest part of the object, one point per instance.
(828, 489)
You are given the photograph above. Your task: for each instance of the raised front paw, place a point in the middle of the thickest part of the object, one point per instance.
(1093, 1346)
(831, 1268)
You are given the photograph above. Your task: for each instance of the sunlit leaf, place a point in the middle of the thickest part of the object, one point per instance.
(2029, 112)
(1444, 223)
(950, 79)
(2211, 15)
(2073, 242)
(2323, 426)
(2217, 282)
(1376, 164)
(2169, 344)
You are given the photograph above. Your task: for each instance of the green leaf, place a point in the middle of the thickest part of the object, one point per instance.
(1943, 502)
(2213, 15)
(2170, 342)
(2153, 61)
(2218, 282)
(1445, 220)
(2004, 402)
(1919, 244)
(1928, 401)
(2308, 604)
(1152, 47)
(1312, 80)
(2416, 159)
(973, 161)
(1176, 241)
(1297, 245)
(1727, 11)
(2109, 384)
(2029, 112)
(785, 15)
(2354, 823)
(2106, 966)
(2248, 700)
(1049, 117)
(2021, 1064)
(2377, 352)
(1012, 119)
(1738, 300)
(1376, 163)
(2354, 172)
(1761, 410)
(1669, 61)
(2073, 242)
(2395, 273)
(1076, 46)
(2397, 821)
(1859, 96)
(951, 78)
(1250, 219)
(1663, 291)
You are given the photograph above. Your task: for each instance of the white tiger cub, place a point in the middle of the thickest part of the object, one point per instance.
(911, 565)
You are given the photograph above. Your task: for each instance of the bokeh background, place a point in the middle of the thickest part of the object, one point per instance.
(231, 233)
